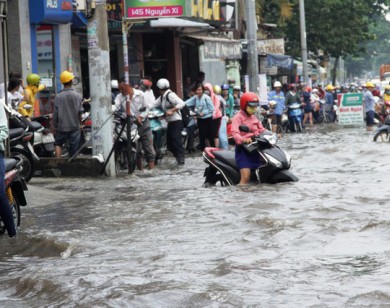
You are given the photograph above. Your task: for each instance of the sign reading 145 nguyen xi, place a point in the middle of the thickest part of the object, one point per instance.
(141, 9)
(351, 109)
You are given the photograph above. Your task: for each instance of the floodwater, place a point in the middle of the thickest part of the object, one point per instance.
(161, 240)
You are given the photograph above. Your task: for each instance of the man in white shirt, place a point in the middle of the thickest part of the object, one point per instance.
(138, 109)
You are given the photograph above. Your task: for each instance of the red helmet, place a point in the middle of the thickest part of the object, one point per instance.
(249, 98)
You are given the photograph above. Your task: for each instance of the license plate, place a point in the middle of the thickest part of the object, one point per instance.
(49, 138)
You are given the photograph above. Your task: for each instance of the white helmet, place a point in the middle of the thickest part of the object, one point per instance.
(272, 104)
(277, 84)
(163, 84)
(114, 84)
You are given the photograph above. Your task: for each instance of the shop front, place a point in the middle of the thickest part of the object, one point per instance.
(50, 39)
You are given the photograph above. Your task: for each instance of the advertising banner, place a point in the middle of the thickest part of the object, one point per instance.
(351, 109)
(142, 9)
(218, 12)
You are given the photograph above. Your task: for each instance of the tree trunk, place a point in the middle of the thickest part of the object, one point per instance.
(334, 71)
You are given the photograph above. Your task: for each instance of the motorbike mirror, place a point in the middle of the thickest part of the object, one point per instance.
(244, 129)
(142, 109)
(75, 81)
(27, 106)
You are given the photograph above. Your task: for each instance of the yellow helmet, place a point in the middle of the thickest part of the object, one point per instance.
(329, 87)
(217, 89)
(66, 77)
(370, 85)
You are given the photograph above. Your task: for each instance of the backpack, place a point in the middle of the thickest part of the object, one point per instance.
(185, 112)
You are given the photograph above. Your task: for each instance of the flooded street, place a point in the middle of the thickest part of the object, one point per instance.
(164, 241)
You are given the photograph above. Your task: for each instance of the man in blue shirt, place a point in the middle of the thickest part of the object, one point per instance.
(277, 96)
(369, 105)
(329, 102)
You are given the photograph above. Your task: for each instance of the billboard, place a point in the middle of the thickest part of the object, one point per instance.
(220, 12)
(144, 9)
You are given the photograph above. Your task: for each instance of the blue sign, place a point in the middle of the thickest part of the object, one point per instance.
(51, 11)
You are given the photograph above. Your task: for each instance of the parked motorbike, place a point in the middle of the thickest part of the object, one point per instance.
(159, 131)
(190, 132)
(15, 187)
(222, 165)
(21, 140)
(382, 134)
(125, 162)
(295, 117)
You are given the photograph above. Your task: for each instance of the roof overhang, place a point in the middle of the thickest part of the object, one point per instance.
(169, 22)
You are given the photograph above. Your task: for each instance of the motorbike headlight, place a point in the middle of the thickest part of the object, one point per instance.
(288, 158)
(273, 161)
(272, 139)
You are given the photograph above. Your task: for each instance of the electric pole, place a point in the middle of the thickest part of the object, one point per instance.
(99, 83)
(253, 62)
(303, 41)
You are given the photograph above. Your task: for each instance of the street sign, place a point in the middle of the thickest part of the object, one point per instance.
(142, 9)
(351, 109)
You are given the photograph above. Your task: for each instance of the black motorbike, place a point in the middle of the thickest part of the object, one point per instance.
(125, 162)
(15, 187)
(382, 134)
(274, 169)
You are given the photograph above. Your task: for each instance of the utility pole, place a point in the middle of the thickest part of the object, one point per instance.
(303, 41)
(99, 83)
(253, 62)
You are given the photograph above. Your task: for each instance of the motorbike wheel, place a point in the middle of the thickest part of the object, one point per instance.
(298, 126)
(382, 136)
(28, 163)
(124, 163)
(13, 202)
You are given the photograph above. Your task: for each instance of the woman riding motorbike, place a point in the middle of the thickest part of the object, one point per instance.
(249, 102)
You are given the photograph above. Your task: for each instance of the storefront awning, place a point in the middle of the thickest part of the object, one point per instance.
(177, 23)
(219, 47)
(79, 20)
(281, 61)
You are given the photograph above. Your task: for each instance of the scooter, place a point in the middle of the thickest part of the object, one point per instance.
(223, 168)
(15, 187)
(295, 117)
(159, 130)
(382, 134)
(125, 162)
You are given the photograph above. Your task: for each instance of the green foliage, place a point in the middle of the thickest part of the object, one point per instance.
(338, 27)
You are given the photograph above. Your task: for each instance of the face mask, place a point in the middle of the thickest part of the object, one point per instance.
(251, 110)
(387, 91)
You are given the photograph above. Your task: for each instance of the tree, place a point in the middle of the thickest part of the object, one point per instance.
(378, 50)
(338, 28)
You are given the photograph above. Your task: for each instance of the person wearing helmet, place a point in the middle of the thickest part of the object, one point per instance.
(146, 87)
(249, 103)
(171, 104)
(292, 97)
(231, 82)
(386, 94)
(369, 105)
(329, 102)
(236, 95)
(67, 120)
(278, 96)
(229, 99)
(138, 109)
(30, 96)
(114, 90)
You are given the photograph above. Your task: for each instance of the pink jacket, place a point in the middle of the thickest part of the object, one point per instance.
(217, 104)
(242, 118)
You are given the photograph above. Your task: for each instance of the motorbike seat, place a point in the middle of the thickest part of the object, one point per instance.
(15, 132)
(9, 163)
(227, 157)
(34, 126)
